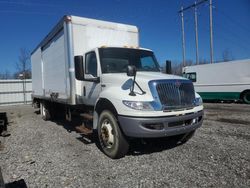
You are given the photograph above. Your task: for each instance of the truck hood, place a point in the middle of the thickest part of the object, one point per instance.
(123, 82)
(141, 77)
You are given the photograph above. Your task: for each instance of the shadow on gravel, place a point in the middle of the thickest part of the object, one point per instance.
(137, 146)
(71, 126)
(16, 184)
(37, 112)
(153, 145)
(234, 121)
(224, 101)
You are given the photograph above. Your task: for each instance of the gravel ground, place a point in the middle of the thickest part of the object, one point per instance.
(51, 154)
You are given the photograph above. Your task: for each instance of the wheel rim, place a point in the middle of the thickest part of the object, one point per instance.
(107, 134)
(43, 110)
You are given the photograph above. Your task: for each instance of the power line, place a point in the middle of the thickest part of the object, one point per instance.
(192, 6)
(29, 4)
(27, 12)
(227, 26)
(239, 45)
(233, 21)
(243, 46)
(25, 3)
(234, 34)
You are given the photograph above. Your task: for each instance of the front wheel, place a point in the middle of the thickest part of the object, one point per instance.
(112, 140)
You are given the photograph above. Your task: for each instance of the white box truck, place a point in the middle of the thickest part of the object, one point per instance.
(96, 69)
(221, 81)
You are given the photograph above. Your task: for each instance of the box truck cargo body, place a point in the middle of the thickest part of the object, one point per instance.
(221, 81)
(53, 59)
(96, 69)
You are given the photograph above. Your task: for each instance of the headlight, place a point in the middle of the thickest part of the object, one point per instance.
(198, 101)
(138, 105)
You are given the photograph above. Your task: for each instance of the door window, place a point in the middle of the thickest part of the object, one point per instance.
(91, 64)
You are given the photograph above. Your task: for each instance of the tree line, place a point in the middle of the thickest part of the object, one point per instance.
(177, 66)
(23, 67)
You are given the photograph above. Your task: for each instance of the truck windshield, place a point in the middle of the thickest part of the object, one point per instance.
(116, 60)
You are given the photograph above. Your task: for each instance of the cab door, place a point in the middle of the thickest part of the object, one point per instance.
(91, 84)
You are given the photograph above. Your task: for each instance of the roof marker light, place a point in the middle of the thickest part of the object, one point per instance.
(68, 18)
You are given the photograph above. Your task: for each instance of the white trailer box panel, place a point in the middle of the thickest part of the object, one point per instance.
(53, 59)
(37, 82)
(54, 66)
(89, 34)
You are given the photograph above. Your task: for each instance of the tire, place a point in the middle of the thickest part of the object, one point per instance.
(112, 140)
(246, 97)
(45, 113)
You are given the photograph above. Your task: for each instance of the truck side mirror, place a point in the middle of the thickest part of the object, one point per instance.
(168, 67)
(131, 70)
(79, 70)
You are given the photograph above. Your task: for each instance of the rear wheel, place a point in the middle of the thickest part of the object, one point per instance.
(45, 113)
(246, 97)
(112, 140)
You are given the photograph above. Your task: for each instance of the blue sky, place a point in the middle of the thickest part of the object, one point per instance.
(24, 23)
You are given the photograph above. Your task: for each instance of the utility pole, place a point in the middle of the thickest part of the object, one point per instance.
(183, 39)
(211, 31)
(196, 33)
(22, 78)
(24, 88)
(195, 5)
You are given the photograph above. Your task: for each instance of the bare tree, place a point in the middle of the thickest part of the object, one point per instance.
(177, 67)
(203, 61)
(23, 65)
(227, 55)
(5, 75)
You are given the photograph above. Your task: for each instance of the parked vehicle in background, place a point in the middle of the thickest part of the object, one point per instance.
(221, 81)
(96, 69)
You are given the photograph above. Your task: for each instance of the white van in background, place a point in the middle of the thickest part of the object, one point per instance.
(221, 81)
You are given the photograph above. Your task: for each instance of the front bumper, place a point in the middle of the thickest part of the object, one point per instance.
(150, 127)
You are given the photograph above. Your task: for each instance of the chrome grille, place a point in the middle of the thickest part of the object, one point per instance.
(176, 94)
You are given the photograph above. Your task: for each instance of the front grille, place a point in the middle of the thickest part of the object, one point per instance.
(176, 94)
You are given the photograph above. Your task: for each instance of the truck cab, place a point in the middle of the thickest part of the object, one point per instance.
(130, 93)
